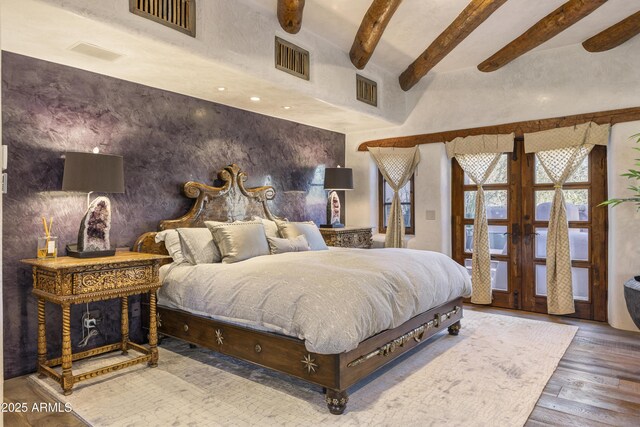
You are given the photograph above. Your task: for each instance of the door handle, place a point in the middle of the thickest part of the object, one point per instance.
(528, 231)
(515, 231)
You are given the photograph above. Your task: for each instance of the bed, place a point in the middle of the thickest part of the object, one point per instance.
(329, 317)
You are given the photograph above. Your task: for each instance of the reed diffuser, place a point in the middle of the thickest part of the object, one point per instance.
(47, 245)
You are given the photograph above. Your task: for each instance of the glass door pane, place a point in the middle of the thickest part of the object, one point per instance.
(579, 277)
(578, 243)
(499, 274)
(497, 239)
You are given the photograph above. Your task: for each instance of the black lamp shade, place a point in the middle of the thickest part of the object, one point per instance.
(338, 179)
(86, 172)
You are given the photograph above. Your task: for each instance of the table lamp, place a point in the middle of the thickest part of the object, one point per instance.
(88, 173)
(336, 179)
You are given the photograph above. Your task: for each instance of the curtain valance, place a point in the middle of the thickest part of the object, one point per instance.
(572, 136)
(480, 144)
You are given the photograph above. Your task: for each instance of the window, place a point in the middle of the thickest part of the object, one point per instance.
(385, 197)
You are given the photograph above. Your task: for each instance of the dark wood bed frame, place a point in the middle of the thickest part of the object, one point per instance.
(334, 372)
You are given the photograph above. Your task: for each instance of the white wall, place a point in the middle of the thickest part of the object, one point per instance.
(624, 223)
(433, 189)
(539, 85)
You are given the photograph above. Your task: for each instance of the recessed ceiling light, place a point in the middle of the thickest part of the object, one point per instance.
(286, 107)
(96, 150)
(222, 89)
(255, 98)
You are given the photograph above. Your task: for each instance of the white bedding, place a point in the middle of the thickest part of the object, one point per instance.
(332, 299)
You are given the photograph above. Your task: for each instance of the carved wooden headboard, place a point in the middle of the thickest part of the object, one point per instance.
(228, 203)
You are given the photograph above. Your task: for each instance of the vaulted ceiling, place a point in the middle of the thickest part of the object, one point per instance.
(412, 25)
(234, 47)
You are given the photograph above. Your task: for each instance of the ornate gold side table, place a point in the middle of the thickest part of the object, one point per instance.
(66, 281)
(348, 237)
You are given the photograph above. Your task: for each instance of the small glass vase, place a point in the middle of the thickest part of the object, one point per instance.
(47, 247)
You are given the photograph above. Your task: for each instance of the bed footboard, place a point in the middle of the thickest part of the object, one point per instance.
(334, 372)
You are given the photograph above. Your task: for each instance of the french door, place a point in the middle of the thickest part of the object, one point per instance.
(518, 197)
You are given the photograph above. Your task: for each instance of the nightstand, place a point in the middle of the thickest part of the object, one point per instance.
(66, 281)
(348, 237)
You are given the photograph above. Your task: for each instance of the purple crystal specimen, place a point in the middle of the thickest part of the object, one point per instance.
(95, 226)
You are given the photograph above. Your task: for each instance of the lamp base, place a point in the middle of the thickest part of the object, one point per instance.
(72, 251)
(335, 225)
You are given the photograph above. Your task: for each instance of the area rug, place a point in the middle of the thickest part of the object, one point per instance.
(490, 375)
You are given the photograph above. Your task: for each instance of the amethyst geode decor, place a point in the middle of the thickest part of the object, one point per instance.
(95, 226)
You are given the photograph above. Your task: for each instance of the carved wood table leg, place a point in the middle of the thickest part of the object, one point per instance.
(42, 337)
(125, 325)
(455, 328)
(336, 401)
(153, 330)
(67, 376)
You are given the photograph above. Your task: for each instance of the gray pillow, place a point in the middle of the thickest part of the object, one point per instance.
(239, 240)
(270, 227)
(280, 246)
(289, 230)
(172, 243)
(198, 246)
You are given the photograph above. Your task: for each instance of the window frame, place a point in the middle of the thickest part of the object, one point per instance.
(381, 205)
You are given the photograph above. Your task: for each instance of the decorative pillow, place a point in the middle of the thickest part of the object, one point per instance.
(239, 240)
(198, 246)
(289, 230)
(280, 246)
(270, 227)
(172, 243)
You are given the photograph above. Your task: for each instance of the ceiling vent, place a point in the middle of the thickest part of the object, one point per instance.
(177, 14)
(366, 90)
(95, 51)
(292, 59)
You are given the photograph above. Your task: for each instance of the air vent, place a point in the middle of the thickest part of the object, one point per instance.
(177, 14)
(95, 51)
(366, 90)
(292, 59)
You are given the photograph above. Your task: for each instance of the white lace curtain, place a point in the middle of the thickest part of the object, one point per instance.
(396, 166)
(560, 152)
(478, 156)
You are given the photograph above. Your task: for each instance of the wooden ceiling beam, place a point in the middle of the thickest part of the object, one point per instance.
(615, 35)
(290, 15)
(476, 12)
(371, 29)
(519, 128)
(545, 29)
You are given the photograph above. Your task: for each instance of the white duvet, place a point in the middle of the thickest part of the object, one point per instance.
(331, 299)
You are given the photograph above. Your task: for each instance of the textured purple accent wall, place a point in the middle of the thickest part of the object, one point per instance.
(166, 139)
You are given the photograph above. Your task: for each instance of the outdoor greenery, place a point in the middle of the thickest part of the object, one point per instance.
(634, 176)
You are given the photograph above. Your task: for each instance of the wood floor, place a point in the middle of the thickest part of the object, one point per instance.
(597, 381)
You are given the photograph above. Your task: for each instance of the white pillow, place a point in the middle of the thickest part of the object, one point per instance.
(171, 241)
(270, 227)
(198, 246)
(280, 246)
(239, 240)
(289, 230)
